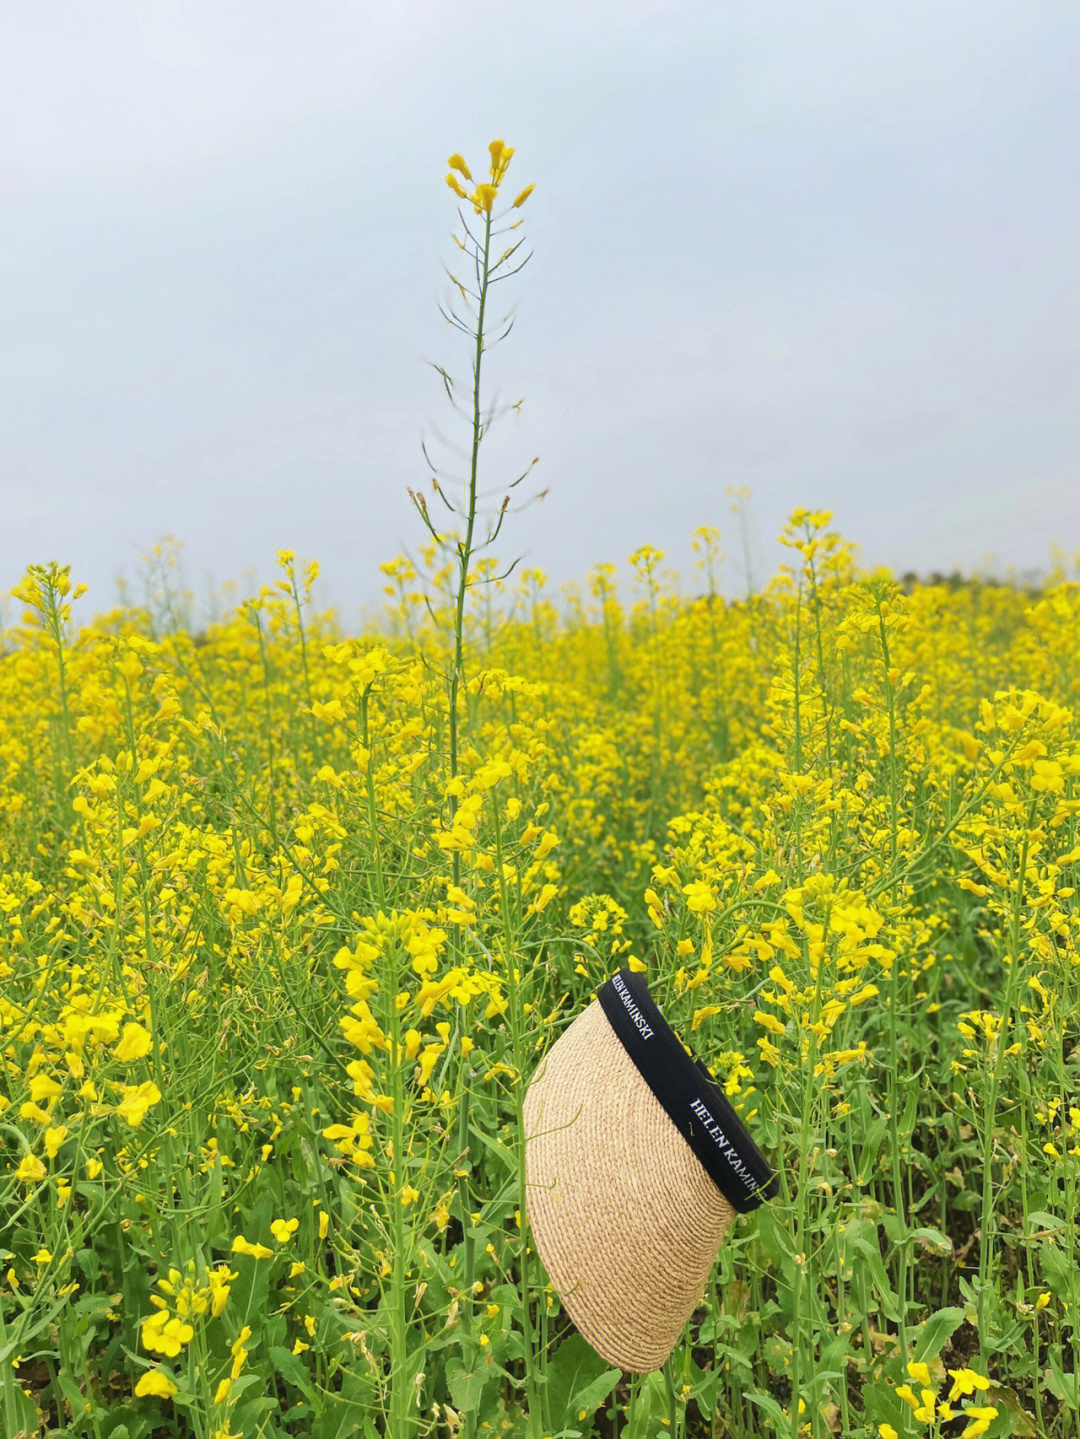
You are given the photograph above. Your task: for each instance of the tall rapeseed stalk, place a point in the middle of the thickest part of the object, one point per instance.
(487, 271)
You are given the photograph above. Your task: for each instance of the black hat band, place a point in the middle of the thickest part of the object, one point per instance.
(700, 1110)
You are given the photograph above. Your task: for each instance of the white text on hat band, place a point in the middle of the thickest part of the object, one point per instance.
(727, 1149)
(632, 1010)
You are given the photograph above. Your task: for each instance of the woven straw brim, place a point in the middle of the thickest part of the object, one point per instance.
(625, 1218)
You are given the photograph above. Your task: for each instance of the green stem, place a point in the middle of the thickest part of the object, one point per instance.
(369, 778)
(1035, 1378)
(894, 1002)
(468, 1239)
(399, 1354)
(465, 546)
(799, 1263)
(514, 997)
(826, 712)
(986, 1230)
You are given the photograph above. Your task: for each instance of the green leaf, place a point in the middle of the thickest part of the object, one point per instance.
(1023, 1426)
(883, 1406)
(651, 1399)
(74, 1395)
(288, 1365)
(896, 1229)
(736, 1357)
(467, 1385)
(1061, 1385)
(776, 1351)
(1039, 1219)
(771, 1408)
(593, 1394)
(574, 1369)
(906, 1126)
(775, 1237)
(933, 1240)
(250, 1410)
(505, 1156)
(8, 1347)
(937, 1331)
(1061, 1277)
(15, 1408)
(890, 1305)
(244, 1383)
(875, 1133)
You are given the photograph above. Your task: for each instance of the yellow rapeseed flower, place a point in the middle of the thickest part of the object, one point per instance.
(54, 1138)
(165, 1334)
(483, 198)
(30, 1170)
(769, 1022)
(137, 1100)
(706, 1012)
(43, 1087)
(240, 1245)
(700, 897)
(501, 155)
(980, 1417)
(155, 1383)
(966, 1381)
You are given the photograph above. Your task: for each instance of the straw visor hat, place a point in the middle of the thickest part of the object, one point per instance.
(635, 1165)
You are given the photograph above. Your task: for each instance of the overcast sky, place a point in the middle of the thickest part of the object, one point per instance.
(828, 251)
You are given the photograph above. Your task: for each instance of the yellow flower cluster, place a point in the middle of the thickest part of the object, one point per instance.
(186, 1297)
(928, 1409)
(484, 196)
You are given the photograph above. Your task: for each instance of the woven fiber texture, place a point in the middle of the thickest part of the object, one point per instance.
(625, 1218)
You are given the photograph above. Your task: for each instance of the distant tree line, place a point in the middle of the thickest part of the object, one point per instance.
(1031, 582)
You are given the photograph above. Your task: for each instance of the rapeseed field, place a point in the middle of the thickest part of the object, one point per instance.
(288, 917)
